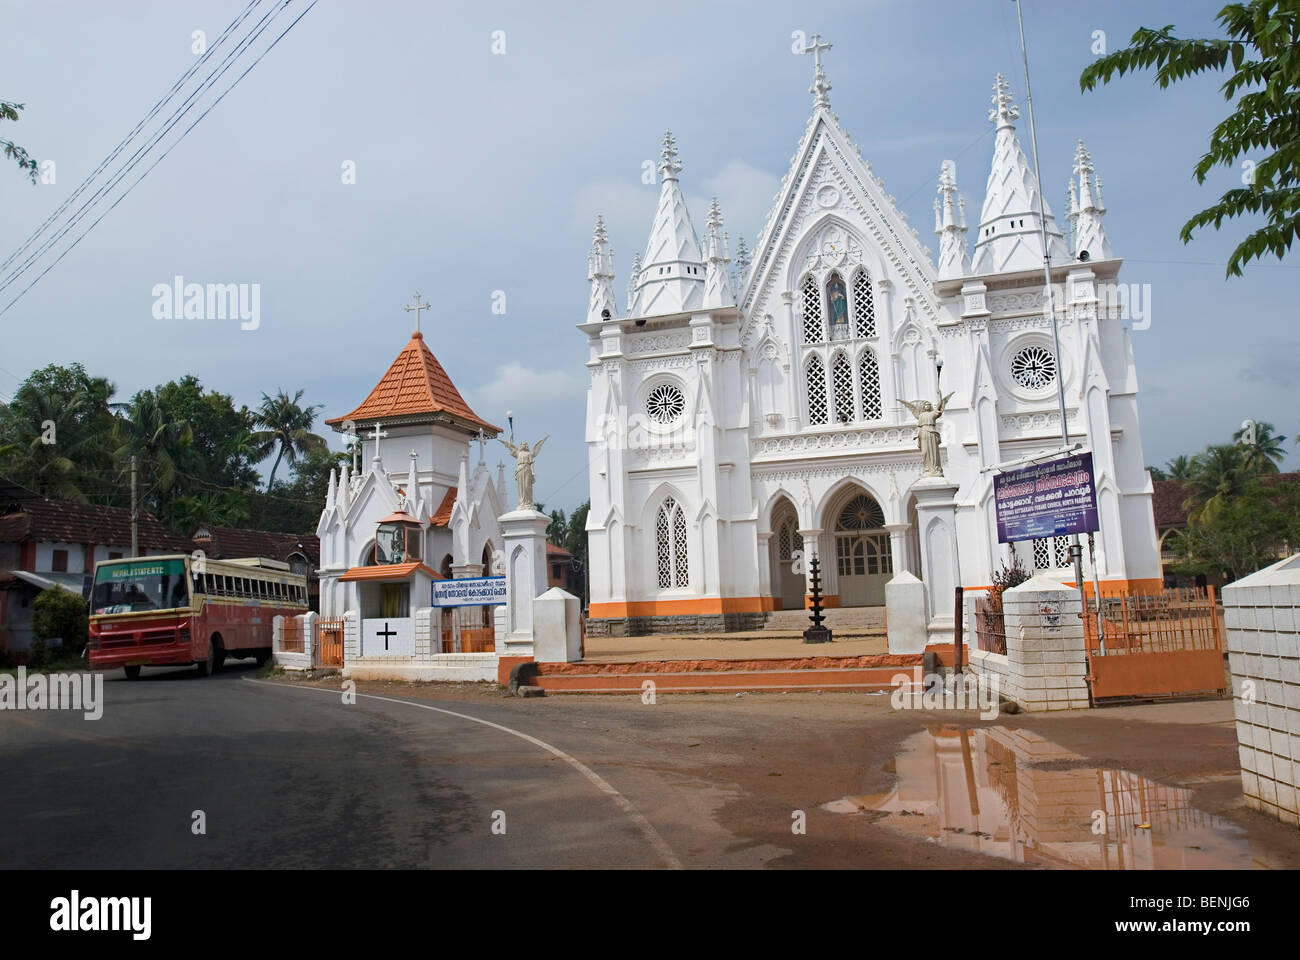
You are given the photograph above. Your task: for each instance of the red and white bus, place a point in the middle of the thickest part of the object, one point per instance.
(169, 610)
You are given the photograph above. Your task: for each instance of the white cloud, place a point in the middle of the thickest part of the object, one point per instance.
(744, 193)
(517, 388)
(628, 207)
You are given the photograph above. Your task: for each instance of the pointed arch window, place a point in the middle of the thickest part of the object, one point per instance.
(864, 307)
(670, 546)
(811, 307)
(842, 378)
(788, 538)
(869, 384)
(837, 300)
(816, 391)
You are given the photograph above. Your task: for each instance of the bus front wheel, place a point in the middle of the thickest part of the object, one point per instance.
(215, 658)
(132, 673)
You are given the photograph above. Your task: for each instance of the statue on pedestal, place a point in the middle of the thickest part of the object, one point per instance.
(927, 433)
(524, 460)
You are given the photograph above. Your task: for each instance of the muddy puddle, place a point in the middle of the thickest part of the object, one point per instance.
(1012, 794)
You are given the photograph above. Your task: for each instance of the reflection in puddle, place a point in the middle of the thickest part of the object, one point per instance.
(985, 790)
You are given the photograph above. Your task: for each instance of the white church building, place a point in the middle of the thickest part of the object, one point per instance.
(417, 504)
(741, 417)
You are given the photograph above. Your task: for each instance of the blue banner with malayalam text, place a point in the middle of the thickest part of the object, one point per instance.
(1046, 500)
(469, 592)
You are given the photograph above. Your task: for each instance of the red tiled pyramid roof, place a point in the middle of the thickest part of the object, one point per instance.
(415, 384)
(442, 516)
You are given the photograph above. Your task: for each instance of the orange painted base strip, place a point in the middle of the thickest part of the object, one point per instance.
(505, 665)
(703, 606)
(828, 601)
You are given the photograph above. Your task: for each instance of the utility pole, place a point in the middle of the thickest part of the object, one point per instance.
(1076, 549)
(135, 511)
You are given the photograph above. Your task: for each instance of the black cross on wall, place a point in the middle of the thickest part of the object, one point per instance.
(386, 633)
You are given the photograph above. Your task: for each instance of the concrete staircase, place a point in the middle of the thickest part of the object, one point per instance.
(845, 621)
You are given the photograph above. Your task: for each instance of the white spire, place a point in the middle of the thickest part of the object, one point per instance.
(632, 279)
(717, 282)
(412, 488)
(820, 85)
(1009, 230)
(332, 492)
(600, 272)
(672, 271)
(345, 488)
(950, 225)
(1087, 210)
(742, 261)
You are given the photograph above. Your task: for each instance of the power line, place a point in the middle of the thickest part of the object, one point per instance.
(186, 132)
(194, 68)
(141, 152)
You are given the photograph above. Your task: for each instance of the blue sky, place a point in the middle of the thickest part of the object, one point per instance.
(478, 172)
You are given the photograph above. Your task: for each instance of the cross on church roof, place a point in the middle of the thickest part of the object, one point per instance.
(821, 86)
(417, 306)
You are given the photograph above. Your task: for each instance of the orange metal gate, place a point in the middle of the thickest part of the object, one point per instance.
(328, 648)
(1156, 645)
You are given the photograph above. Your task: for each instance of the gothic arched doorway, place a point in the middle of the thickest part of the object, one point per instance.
(863, 561)
(787, 586)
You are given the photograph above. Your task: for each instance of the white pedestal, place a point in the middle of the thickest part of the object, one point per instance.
(936, 519)
(524, 535)
(557, 627)
(905, 614)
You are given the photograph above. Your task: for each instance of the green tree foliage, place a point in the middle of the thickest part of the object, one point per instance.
(58, 613)
(295, 507)
(1265, 452)
(1249, 531)
(1263, 49)
(146, 433)
(9, 111)
(285, 425)
(1241, 514)
(54, 435)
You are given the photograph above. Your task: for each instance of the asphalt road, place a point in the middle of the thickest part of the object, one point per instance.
(418, 776)
(291, 777)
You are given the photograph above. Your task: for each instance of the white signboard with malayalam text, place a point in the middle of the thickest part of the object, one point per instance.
(469, 592)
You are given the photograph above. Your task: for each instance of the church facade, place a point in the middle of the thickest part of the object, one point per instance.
(742, 417)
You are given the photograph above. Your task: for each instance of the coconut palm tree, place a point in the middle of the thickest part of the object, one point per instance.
(1266, 452)
(47, 444)
(1218, 475)
(285, 424)
(1179, 468)
(142, 430)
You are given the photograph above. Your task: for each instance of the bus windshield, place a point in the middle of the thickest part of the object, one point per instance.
(136, 585)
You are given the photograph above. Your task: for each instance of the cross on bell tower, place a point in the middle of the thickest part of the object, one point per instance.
(417, 306)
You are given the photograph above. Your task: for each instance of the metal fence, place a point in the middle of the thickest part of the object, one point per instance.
(328, 649)
(291, 635)
(990, 626)
(1164, 622)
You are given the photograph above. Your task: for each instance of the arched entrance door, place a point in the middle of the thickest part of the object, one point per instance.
(787, 586)
(863, 562)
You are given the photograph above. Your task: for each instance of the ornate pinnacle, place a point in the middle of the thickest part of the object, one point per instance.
(668, 165)
(1004, 112)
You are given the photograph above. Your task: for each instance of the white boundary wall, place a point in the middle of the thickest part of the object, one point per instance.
(1046, 663)
(1262, 615)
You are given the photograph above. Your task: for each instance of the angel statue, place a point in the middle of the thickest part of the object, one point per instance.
(927, 433)
(524, 460)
